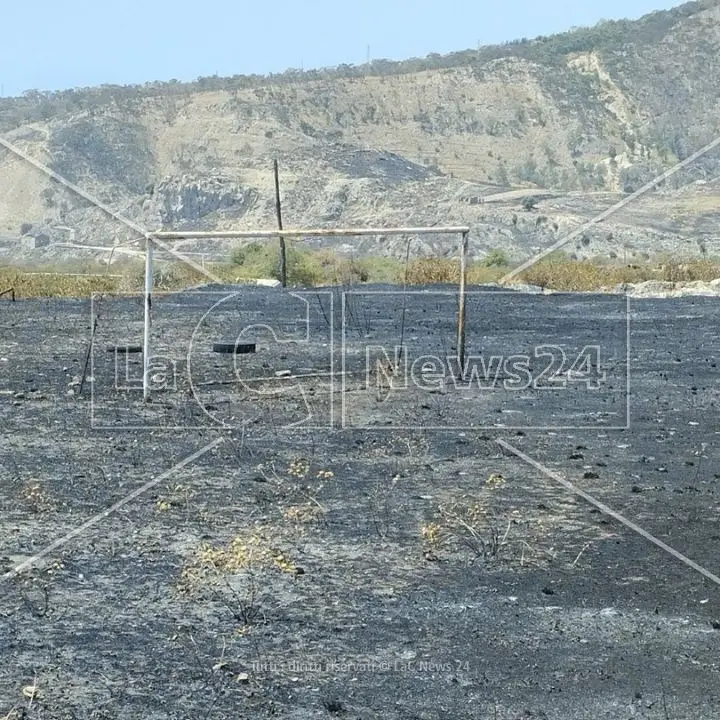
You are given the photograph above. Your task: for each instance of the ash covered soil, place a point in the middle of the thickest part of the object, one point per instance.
(356, 543)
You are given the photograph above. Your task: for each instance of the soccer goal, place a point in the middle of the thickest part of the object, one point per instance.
(162, 239)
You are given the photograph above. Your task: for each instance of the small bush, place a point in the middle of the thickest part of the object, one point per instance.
(247, 253)
(704, 270)
(304, 268)
(496, 258)
(529, 203)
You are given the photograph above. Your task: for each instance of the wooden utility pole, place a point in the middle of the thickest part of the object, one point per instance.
(461, 302)
(278, 208)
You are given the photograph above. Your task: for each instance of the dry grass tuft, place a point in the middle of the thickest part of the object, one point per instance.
(178, 496)
(36, 497)
(430, 272)
(439, 271)
(55, 284)
(303, 514)
(562, 274)
(247, 552)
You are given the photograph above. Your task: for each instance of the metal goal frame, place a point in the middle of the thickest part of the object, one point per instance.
(160, 236)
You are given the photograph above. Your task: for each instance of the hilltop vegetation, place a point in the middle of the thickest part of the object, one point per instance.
(608, 37)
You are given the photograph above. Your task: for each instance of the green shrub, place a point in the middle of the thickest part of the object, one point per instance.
(529, 203)
(496, 258)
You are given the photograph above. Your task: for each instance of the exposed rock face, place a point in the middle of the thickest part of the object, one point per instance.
(185, 202)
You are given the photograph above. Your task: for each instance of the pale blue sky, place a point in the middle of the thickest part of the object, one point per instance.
(57, 44)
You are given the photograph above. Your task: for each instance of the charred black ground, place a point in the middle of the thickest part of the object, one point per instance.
(403, 566)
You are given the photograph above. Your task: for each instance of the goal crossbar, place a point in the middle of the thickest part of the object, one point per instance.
(313, 232)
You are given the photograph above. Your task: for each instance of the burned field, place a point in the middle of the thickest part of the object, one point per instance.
(347, 537)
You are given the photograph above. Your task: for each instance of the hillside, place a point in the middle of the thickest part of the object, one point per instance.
(578, 119)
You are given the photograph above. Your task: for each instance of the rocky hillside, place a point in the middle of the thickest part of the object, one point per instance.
(576, 121)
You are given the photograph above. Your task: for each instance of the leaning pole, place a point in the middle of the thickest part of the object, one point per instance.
(148, 307)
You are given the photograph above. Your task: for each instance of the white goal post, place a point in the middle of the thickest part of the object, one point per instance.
(162, 235)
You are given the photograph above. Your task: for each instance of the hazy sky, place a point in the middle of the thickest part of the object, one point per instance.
(56, 44)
